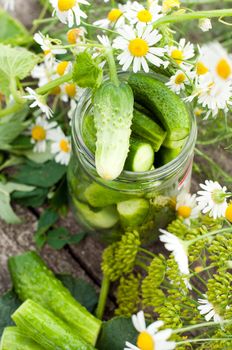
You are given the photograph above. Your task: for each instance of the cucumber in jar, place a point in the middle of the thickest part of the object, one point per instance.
(133, 212)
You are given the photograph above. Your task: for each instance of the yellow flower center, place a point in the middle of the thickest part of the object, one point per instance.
(144, 16)
(145, 341)
(47, 52)
(184, 211)
(198, 112)
(38, 133)
(198, 269)
(180, 78)
(61, 67)
(229, 212)
(169, 4)
(73, 35)
(65, 5)
(201, 69)
(70, 90)
(177, 55)
(138, 47)
(223, 69)
(114, 15)
(56, 90)
(64, 146)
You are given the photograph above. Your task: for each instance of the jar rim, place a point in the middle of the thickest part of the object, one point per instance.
(85, 104)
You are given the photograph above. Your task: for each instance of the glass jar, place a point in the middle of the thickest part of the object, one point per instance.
(135, 201)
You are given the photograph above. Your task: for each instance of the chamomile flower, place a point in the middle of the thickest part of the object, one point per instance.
(179, 250)
(179, 80)
(9, 4)
(212, 94)
(42, 73)
(170, 4)
(115, 18)
(41, 132)
(208, 311)
(182, 52)
(76, 35)
(213, 199)
(137, 13)
(39, 101)
(150, 338)
(186, 206)
(49, 49)
(205, 24)
(217, 60)
(60, 146)
(228, 213)
(63, 67)
(69, 11)
(138, 47)
(71, 91)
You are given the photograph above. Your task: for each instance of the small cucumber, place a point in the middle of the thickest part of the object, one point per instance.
(164, 103)
(47, 329)
(133, 212)
(175, 144)
(89, 133)
(141, 156)
(148, 129)
(102, 219)
(14, 339)
(166, 155)
(113, 113)
(99, 196)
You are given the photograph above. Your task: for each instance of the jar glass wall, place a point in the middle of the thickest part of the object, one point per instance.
(135, 201)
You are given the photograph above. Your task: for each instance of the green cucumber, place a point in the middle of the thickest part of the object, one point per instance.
(14, 339)
(113, 113)
(141, 156)
(33, 280)
(100, 196)
(148, 129)
(102, 219)
(47, 329)
(164, 103)
(175, 144)
(89, 133)
(166, 155)
(133, 212)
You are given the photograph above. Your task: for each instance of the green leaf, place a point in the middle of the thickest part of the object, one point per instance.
(41, 175)
(9, 302)
(15, 62)
(81, 290)
(60, 236)
(115, 333)
(33, 199)
(12, 31)
(6, 211)
(86, 72)
(47, 220)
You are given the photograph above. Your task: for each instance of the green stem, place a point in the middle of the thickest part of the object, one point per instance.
(112, 66)
(200, 325)
(13, 89)
(51, 85)
(97, 27)
(10, 110)
(41, 16)
(210, 234)
(202, 340)
(103, 297)
(191, 16)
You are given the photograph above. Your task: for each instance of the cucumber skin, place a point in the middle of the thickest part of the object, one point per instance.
(105, 218)
(135, 145)
(89, 133)
(46, 329)
(14, 339)
(148, 129)
(133, 220)
(166, 105)
(166, 155)
(99, 196)
(113, 113)
(33, 280)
